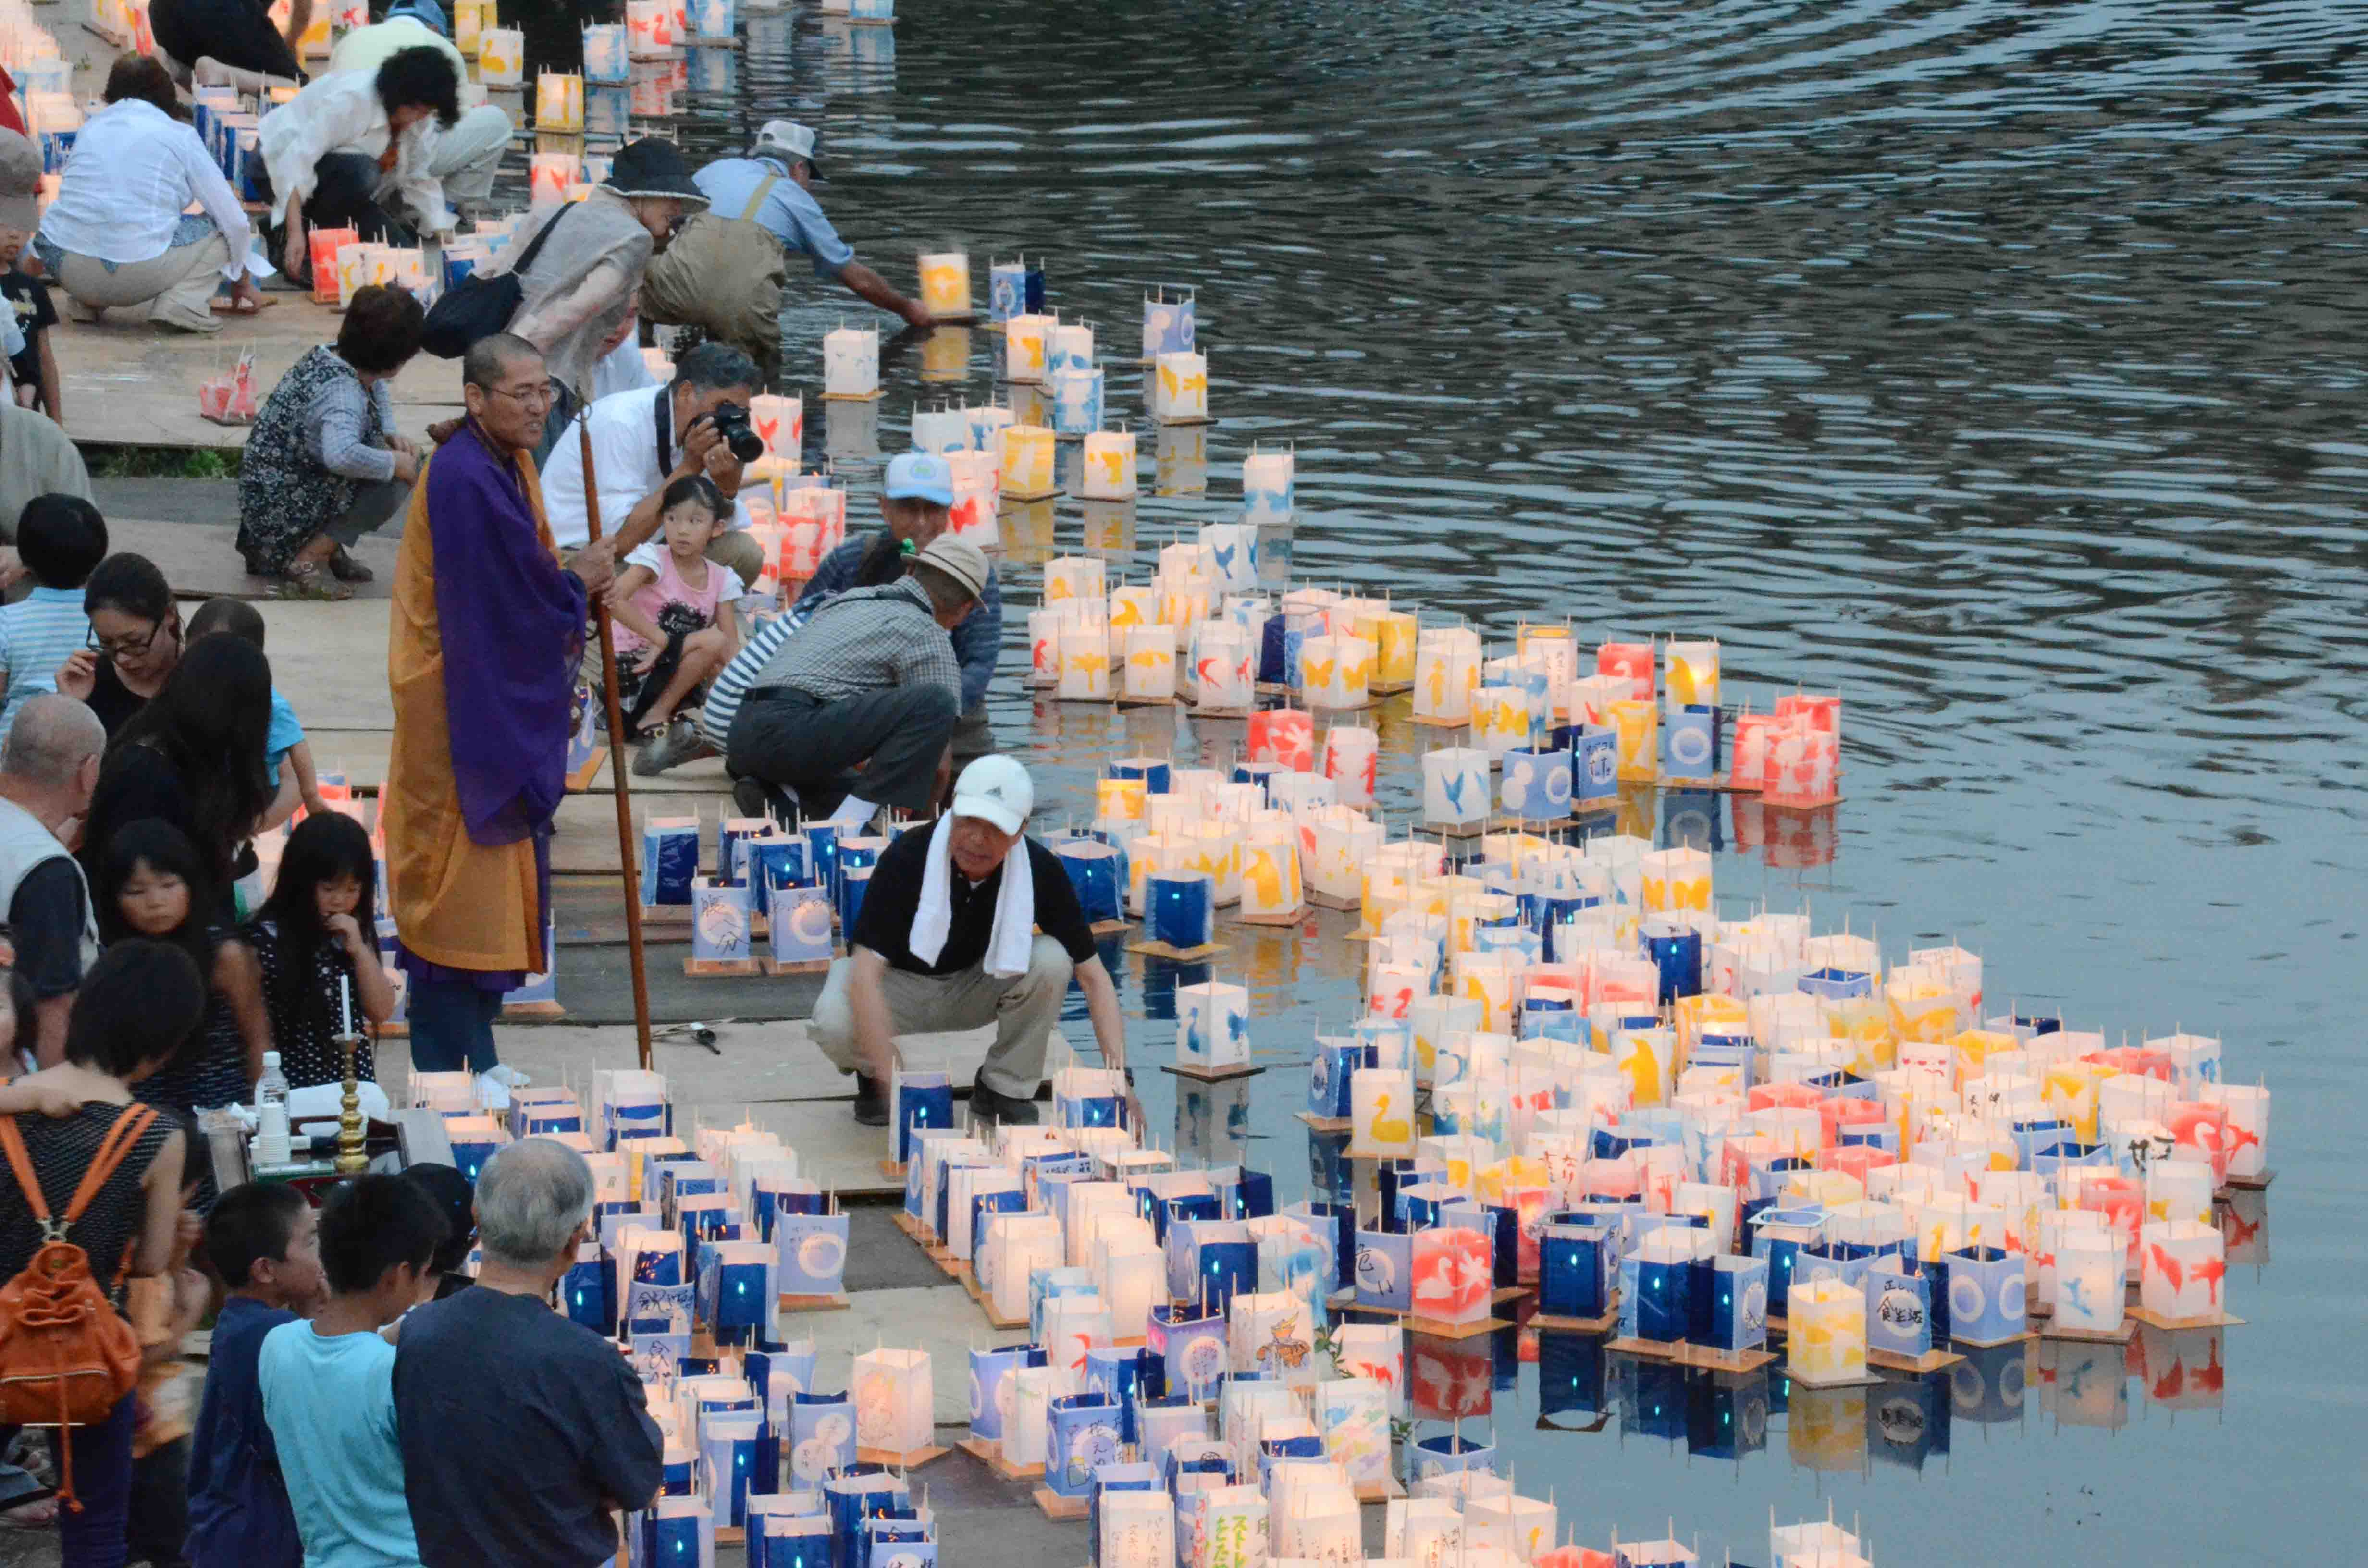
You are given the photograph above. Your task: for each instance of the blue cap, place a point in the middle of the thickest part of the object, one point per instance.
(920, 476)
(426, 12)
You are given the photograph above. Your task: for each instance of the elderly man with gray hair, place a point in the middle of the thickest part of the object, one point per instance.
(47, 772)
(521, 1430)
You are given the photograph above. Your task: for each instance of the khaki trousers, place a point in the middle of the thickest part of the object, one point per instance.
(175, 286)
(1023, 1009)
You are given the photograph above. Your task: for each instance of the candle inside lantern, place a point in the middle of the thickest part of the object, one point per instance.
(346, 1002)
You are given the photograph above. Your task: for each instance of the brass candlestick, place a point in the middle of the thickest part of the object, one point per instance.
(351, 1160)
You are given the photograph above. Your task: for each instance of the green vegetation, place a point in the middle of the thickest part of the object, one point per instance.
(160, 463)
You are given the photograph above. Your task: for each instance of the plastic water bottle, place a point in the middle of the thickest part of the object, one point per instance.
(271, 1140)
(271, 1089)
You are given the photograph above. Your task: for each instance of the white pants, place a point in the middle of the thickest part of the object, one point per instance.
(175, 286)
(1023, 1010)
(468, 153)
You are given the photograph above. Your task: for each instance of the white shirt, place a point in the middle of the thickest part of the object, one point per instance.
(366, 49)
(622, 368)
(625, 458)
(133, 170)
(341, 113)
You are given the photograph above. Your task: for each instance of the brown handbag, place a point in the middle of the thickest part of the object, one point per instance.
(67, 1358)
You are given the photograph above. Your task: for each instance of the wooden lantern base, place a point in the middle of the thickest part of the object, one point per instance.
(1930, 1361)
(1066, 1509)
(991, 1455)
(1211, 1075)
(910, 1459)
(1175, 955)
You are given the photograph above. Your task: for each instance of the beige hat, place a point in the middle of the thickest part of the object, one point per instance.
(20, 181)
(958, 559)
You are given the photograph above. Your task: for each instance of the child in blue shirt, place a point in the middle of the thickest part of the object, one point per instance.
(59, 540)
(265, 1239)
(285, 743)
(328, 1385)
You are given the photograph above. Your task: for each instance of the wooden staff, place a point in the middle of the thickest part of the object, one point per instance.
(625, 855)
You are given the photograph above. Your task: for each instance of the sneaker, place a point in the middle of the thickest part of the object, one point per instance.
(987, 1106)
(675, 746)
(509, 1077)
(870, 1101)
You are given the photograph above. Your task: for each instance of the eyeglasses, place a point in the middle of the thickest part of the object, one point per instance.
(538, 395)
(126, 647)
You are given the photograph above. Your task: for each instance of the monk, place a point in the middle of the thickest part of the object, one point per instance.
(488, 626)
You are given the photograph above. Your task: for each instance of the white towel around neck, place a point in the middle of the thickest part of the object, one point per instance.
(1012, 942)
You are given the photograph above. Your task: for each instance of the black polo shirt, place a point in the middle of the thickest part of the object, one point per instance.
(885, 923)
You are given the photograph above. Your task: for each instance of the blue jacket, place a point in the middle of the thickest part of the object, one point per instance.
(978, 641)
(239, 1513)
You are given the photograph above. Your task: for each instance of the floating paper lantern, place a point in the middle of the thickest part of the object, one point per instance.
(1267, 487)
(1453, 1275)
(1270, 873)
(2182, 1266)
(1150, 664)
(1109, 465)
(2089, 1282)
(1068, 345)
(1168, 323)
(1212, 1025)
(550, 174)
(501, 57)
(1381, 1114)
(978, 496)
(1455, 787)
(1182, 908)
(1630, 662)
(559, 102)
(2247, 1127)
(1825, 1330)
(1693, 673)
(850, 362)
(1180, 387)
(1027, 461)
(1098, 872)
(1230, 553)
(1335, 672)
(1633, 726)
(1077, 395)
(1802, 771)
(1284, 737)
(1351, 758)
(1537, 785)
(1085, 666)
(945, 283)
(650, 30)
(1338, 842)
(1026, 339)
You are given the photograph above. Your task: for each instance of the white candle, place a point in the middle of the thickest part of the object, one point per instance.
(346, 1000)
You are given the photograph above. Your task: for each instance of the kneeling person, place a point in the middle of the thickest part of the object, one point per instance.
(861, 703)
(944, 942)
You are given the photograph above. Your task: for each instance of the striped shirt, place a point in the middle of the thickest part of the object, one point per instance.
(37, 634)
(864, 641)
(723, 701)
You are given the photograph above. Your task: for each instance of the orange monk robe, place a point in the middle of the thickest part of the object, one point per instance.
(456, 901)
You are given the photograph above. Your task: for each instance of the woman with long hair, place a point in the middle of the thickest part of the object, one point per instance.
(194, 757)
(135, 640)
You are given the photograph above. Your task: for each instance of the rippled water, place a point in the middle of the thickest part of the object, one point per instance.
(1996, 364)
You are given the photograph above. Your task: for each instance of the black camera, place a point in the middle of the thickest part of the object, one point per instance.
(732, 424)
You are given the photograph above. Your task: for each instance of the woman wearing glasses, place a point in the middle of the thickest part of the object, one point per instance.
(135, 640)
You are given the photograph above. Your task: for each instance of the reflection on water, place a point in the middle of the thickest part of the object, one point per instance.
(1994, 363)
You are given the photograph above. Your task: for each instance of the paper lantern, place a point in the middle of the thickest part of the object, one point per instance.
(2182, 1266)
(1381, 1115)
(1803, 766)
(1446, 672)
(1537, 785)
(1267, 487)
(1631, 662)
(1168, 323)
(894, 1405)
(1212, 1025)
(945, 283)
(1109, 465)
(1098, 872)
(1026, 339)
(1825, 1332)
(559, 102)
(1229, 551)
(1693, 673)
(1150, 664)
(2090, 1289)
(1336, 843)
(1085, 666)
(501, 57)
(1635, 733)
(1351, 757)
(1455, 787)
(1284, 737)
(1335, 672)
(550, 173)
(1182, 909)
(1077, 400)
(1082, 1435)
(2248, 1128)
(850, 362)
(1178, 388)
(1454, 1277)
(1271, 881)
(1027, 461)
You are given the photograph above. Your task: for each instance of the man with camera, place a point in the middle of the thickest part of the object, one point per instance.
(644, 439)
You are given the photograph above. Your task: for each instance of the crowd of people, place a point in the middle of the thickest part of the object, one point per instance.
(360, 1365)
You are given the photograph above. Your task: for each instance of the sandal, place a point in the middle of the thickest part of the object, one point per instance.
(346, 569)
(308, 582)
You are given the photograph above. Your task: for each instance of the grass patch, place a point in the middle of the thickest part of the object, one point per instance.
(163, 462)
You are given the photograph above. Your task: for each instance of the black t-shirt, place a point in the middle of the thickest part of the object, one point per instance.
(46, 920)
(34, 315)
(113, 701)
(886, 921)
(517, 1424)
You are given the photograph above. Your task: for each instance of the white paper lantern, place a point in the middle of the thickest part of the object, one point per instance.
(1223, 669)
(1446, 670)
(895, 1401)
(945, 283)
(1150, 664)
(1025, 341)
(1085, 666)
(1267, 487)
(850, 362)
(1109, 465)
(1335, 672)
(1180, 387)
(1351, 758)
(1455, 787)
(1028, 461)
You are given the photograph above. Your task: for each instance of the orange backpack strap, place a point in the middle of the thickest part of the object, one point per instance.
(22, 1164)
(127, 1131)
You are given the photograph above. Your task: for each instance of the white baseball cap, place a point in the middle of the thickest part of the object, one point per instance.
(996, 790)
(788, 137)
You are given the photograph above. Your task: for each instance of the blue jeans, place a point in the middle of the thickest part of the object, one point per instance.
(452, 1025)
(102, 1485)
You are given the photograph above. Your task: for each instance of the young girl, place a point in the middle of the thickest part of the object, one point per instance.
(315, 937)
(675, 625)
(153, 883)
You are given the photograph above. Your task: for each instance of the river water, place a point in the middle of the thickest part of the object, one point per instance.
(1996, 365)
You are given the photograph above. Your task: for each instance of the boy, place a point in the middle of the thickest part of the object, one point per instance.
(264, 1240)
(328, 1385)
(285, 743)
(34, 367)
(59, 540)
